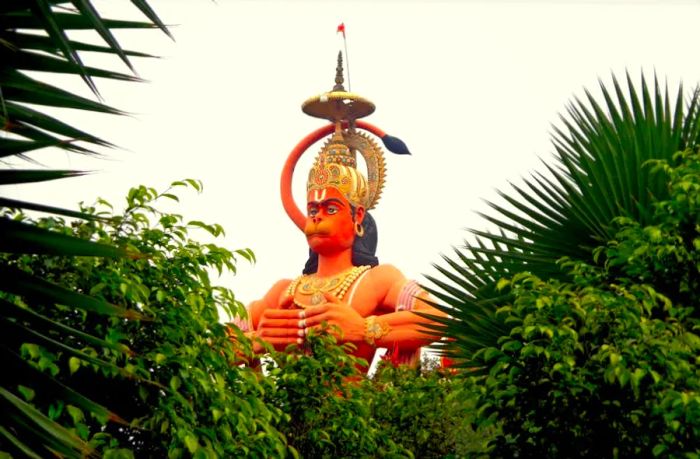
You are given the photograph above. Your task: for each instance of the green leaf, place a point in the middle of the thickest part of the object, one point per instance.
(13, 147)
(55, 436)
(192, 443)
(20, 283)
(151, 14)
(42, 9)
(19, 237)
(27, 392)
(73, 364)
(75, 413)
(16, 204)
(17, 176)
(88, 11)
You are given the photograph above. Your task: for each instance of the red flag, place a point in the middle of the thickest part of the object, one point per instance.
(341, 28)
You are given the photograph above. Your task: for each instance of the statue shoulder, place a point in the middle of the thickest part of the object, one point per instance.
(387, 272)
(386, 277)
(388, 281)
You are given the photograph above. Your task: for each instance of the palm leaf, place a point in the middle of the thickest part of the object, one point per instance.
(16, 40)
(45, 14)
(19, 237)
(87, 10)
(33, 38)
(19, 176)
(31, 427)
(600, 149)
(17, 204)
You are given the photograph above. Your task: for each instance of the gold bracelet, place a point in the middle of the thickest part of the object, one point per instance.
(374, 330)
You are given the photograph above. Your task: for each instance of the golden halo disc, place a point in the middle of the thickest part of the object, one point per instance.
(338, 106)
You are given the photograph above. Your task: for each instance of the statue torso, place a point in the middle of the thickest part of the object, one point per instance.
(363, 291)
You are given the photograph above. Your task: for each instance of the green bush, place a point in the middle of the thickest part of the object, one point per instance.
(174, 381)
(398, 412)
(606, 365)
(667, 253)
(170, 378)
(328, 408)
(429, 412)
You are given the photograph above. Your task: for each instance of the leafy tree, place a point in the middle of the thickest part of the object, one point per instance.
(427, 411)
(598, 176)
(33, 38)
(399, 412)
(172, 378)
(328, 410)
(605, 365)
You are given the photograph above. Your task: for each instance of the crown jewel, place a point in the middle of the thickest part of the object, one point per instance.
(336, 163)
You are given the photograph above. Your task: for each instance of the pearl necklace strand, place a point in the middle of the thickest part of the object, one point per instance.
(316, 287)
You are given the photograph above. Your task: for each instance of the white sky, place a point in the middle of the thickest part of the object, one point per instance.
(471, 87)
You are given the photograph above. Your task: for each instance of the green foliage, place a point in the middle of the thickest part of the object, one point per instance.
(598, 176)
(33, 42)
(428, 412)
(170, 378)
(34, 39)
(665, 253)
(400, 412)
(329, 413)
(172, 381)
(606, 365)
(587, 371)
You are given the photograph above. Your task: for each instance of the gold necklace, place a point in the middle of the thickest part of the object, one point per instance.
(315, 287)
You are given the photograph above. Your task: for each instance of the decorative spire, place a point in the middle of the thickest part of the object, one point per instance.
(339, 74)
(338, 104)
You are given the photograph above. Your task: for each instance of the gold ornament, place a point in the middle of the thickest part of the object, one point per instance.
(374, 330)
(315, 287)
(336, 163)
(359, 229)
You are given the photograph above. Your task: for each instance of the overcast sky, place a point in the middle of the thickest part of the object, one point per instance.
(471, 87)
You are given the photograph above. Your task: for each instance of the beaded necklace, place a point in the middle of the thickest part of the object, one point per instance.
(315, 287)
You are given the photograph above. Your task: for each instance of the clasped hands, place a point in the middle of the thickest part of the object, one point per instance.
(282, 327)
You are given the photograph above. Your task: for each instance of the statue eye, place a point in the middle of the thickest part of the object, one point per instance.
(313, 211)
(332, 210)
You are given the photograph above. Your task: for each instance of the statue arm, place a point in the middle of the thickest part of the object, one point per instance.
(404, 328)
(396, 322)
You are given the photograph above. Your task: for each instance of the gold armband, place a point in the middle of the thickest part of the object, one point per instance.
(374, 330)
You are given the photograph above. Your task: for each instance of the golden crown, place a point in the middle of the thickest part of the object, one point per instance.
(336, 163)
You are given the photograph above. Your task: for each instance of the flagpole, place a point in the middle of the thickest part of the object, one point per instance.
(341, 29)
(347, 61)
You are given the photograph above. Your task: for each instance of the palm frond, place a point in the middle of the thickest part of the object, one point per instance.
(600, 149)
(34, 38)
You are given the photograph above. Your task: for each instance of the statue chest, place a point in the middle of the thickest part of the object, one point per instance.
(350, 288)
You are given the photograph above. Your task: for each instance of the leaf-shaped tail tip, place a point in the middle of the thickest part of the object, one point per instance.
(395, 145)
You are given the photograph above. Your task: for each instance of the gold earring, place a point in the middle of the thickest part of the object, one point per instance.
(359, 230)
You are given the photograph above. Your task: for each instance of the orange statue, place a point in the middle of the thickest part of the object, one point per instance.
(342, 284)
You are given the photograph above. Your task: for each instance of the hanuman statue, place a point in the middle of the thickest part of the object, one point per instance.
(343, 284)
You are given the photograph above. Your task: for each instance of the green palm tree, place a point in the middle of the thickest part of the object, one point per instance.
(599, 175)
(34, 38)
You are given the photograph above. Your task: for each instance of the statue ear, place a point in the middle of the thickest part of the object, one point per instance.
(359, 214)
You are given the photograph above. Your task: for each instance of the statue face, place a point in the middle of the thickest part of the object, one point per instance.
(330, 227)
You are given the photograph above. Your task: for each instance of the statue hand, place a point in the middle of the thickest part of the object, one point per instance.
(281, 327)
(336, 313)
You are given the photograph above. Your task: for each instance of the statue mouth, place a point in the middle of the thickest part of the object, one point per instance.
(321, 229)
(318, 233)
